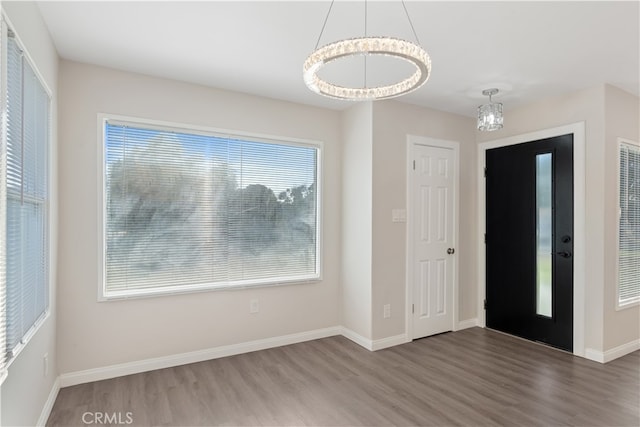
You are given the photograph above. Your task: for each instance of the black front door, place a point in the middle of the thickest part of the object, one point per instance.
(529, 241)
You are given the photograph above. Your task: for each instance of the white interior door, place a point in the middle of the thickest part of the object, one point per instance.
(433, 237)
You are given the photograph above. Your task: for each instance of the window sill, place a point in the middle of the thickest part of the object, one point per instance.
(27, 338)
(181, 290)
(629, 304)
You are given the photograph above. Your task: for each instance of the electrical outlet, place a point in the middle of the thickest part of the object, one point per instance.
(45, 364)
(254, 306)
(386, 311)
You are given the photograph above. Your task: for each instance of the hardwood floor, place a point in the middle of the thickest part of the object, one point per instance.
(473, 377)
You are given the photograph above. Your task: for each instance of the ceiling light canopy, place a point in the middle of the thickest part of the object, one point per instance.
(490, 115)
(367, 46)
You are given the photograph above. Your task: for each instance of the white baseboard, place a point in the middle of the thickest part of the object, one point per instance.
(48, 406)
(373, 345)
(466, 324)
(595, 355)
(357, 338)
(113, 371)
(614, 353)
(389, 342)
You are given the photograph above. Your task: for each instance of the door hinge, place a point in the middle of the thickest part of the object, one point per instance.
(485, 237)
(485, 172)
(414, 165)
(485, 304)
(413, 308)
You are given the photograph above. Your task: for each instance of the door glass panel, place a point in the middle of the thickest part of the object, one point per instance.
(544, 228)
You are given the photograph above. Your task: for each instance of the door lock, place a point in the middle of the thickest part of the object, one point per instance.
(564, 254)
(451, 251)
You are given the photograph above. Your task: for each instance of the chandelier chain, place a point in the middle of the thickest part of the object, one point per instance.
(410, 22)
(326, 18)
(365, 18)
(365, 34)
(324, 24)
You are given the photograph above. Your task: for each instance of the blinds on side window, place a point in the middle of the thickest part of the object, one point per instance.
(26, 198)
(629, 226)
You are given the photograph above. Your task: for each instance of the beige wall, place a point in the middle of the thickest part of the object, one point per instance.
(26, 389)
(622, 118)
(92, 334)
(392, 122)
(374, 162)
(357, 231)
(589, 105)
(364, 253)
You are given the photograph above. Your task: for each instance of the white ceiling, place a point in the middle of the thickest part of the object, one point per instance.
(529, 50)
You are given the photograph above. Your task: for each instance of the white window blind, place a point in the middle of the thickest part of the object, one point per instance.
(3, 206)
(629, 226)
(26, 141)
(189, 210)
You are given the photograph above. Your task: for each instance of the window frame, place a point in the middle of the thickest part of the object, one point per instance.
(104, 118)
(5, 27)
(634, 301)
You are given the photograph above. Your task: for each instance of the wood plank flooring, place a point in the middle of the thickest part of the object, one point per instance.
(474, 377)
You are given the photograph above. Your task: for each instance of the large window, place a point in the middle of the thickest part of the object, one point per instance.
(189, 210)
(25, 196)
(629, 225)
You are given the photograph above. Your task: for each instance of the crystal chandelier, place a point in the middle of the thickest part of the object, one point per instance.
(490, 115)
(368, 46)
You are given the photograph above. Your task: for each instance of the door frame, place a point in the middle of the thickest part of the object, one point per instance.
(412, 141)
(579, 205)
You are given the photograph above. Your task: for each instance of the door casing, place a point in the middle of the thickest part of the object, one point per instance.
(579, 248)
(412, 141)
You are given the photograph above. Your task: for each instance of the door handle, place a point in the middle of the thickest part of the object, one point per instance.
(451, 251)
(564, 254)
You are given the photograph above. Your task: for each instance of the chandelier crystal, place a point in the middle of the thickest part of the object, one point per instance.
(386, 46)
(490, 115)
(367, 46)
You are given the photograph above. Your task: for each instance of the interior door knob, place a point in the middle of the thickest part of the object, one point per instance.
(451, 251)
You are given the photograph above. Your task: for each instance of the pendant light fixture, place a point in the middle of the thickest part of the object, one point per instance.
(367, 46)
(490, 115)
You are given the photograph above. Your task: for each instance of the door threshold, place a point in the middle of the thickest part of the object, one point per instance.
(544, 344)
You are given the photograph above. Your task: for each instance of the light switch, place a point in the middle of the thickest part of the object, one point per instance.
(399, 215)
